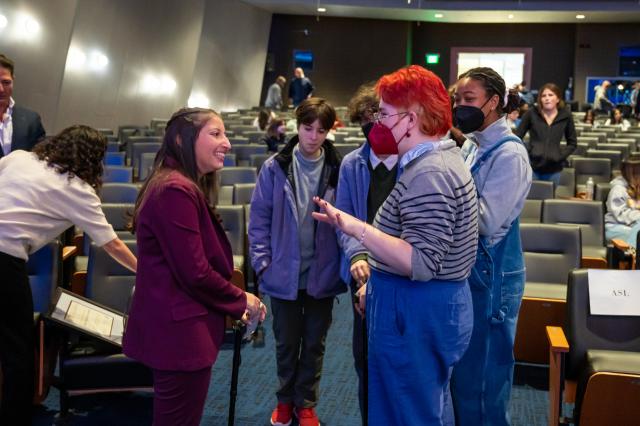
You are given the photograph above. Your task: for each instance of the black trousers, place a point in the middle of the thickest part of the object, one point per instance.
(16, 342)
(300, 329)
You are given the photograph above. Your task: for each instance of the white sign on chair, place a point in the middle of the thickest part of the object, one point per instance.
(613, 292)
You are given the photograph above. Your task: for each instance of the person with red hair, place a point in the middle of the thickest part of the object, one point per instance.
(421, 247)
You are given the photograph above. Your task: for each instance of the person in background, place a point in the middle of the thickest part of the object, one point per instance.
(300, 88)
(635, 99)
(547, 125)
(601, 102)
(421, 248)
(296, 260)
(513, 119)
(589, 117)
(183, 293)
(274, 94)
(20, 128)
(276, 135)
(366, 179)
(616, 119)
(622, 219)
(482, 380)
(44, 192)
(262, 120)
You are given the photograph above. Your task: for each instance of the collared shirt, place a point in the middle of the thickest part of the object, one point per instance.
(418, 151)
(6, 128)
(388, 162)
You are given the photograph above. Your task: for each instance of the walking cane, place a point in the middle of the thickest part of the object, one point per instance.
(238, 327)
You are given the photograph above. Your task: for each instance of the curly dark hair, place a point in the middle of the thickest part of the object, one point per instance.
(363, 104)
(77, 150)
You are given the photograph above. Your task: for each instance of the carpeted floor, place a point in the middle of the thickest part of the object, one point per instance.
(338, 404)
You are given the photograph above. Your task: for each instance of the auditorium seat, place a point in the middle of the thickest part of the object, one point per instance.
(597, 168)
(531, 212)
(90, 365)
(238, 140)
(242, 193)
(567, 186)
(117, 174)
(119, 193)
(229, 160)
(597, 359)
(232, 175)
(119, 216)
(602, 136)
(602, 191)
(145, 166)
(257, 160)
(244, 152)
(137, 149)
(232, 218)
(540, 190)
(623, 148)
(225, 195)
(591, 141)
(106, 132)
(589, 216)
(345, 148)
(254, 136)
(114, 158)
(550, 253)
(614, 156)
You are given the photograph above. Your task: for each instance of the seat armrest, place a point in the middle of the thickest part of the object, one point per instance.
(68, 252)
(558, 345)
(593, 262)
(78, 241)
(620, 244)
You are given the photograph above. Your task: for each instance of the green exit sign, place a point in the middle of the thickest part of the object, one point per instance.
(432, 58)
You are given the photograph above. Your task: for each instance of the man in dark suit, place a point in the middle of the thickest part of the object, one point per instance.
(20, 128)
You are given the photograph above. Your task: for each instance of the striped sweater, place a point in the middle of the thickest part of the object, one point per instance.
(433, 208)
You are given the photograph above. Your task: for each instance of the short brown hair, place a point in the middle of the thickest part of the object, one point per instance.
(313, 109)
(6, 63)
(556, 91)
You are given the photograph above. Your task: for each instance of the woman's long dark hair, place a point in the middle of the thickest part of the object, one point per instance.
(77, 150)
(178, 147)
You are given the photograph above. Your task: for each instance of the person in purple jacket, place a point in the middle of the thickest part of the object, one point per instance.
(183, 292)
(297, 260)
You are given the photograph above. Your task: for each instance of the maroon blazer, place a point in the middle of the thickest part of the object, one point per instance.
(183, 293)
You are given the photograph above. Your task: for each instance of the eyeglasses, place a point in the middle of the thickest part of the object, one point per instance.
(379, 116)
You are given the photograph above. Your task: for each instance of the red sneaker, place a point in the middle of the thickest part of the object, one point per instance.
(282, 415)
(307, 417)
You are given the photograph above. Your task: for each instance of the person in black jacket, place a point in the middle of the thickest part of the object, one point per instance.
(547, 124)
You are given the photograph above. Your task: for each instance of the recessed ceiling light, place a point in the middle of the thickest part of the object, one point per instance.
(580, 16)
(322, 9)
(510, 16)
(439, 15)
(3, 21)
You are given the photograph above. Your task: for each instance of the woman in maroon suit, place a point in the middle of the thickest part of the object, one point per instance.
(176, 321)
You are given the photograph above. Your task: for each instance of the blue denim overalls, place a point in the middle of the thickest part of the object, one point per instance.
(481, 381)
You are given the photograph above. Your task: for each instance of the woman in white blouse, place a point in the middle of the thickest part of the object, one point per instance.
(44, 192)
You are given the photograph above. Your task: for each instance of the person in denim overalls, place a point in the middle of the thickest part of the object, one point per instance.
(481, 381)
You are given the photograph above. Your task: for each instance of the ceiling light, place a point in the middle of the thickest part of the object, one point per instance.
(510, 16)
(168, 84)
(31, 26)
(620, 87)
(98, 61)
(198, 100)
(3, 21)
(76, 59)
(580, 16)
(439, 15)
(322, 9)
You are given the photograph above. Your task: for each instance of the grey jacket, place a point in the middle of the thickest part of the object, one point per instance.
(274, 246)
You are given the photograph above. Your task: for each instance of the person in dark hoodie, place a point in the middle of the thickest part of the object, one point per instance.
(297, 260)
(547, 125)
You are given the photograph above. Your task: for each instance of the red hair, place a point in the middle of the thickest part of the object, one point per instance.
(415, 85)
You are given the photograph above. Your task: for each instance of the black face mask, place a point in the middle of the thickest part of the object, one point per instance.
(366, 128)
(468, 118)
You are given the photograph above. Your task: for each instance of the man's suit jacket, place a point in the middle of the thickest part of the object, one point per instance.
(27, 129)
